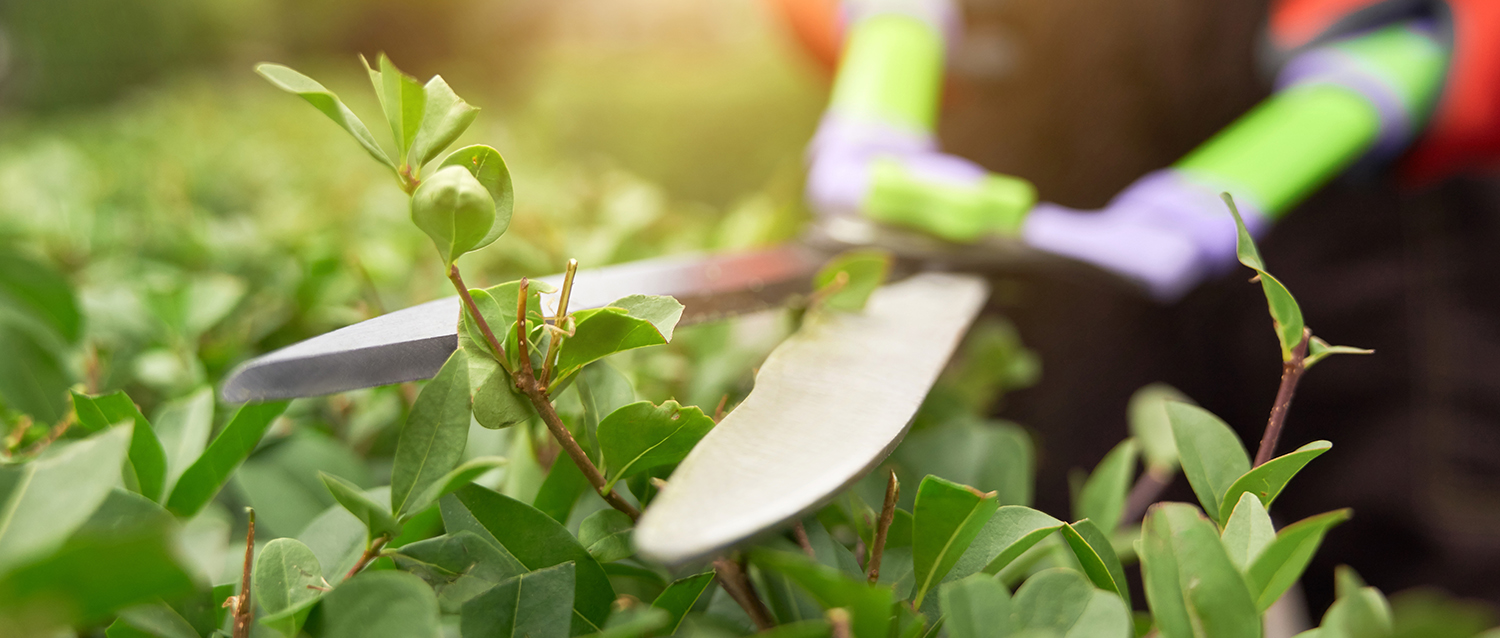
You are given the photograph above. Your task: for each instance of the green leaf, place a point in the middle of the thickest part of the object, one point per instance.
(1281, 563)
(601, 391)
(36, 376)
(81, 582)
(869, 605)
(432, 441)
(1102, 498)
(537, 541)
(560, 490)
(1061, 602)
(1212, 455)
(486, 165)
(1318, 350)
(992, 456)
(377, 521)
(148, 460)
(1008, 534)
(1267, 480)
(1150, 427)
(849, 278)
(606, 534)
(1190, 581)
(151, 619)
(44, 501)
(455, 211)
(458, 566)
(203, 479)
(184, 426)
(401, 98)
(1359, 611)
(642, 436)
(1285, 313)
(287, 582)
(1097, 557)
(636, 622)
(1248, 532)
(975, 607)
(445, 117)
(497, 403)
(533, 605)
(338, 539)
(605, 331)
(324, 100)
(457, 477)
(380, 604)
(947, 518)
(679, 597)
(40, 291)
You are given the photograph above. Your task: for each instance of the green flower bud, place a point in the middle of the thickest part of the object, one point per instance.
(455, 210)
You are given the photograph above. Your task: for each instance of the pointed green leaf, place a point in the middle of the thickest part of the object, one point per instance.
(1284, 310)
(1188, 574)
(287, 579)
(989, 455)
(642, 436)
(184, 426)
(378, 521)
(338, 539)
(849, 278)
(432, 441)
(606, 534)
(148, 460)
(975, 607)
(1281, 563)
(869, 605)
(497, 403)
(560, 491)
(1102, 498)
(1061, 602)
(156, 620)
(458, 566)
(1244, 246)
(380, 604)
(41, 292)
(946, 519)
(324, 100)
(1318, 350)
(36, 376)
(532, 605)
(1212, 455)
(605, 331)
(203, 479)
(444, 118)
(601, 391)
(44, 501)
(534, 539)
(1008, 534)
(457, 477)
(1097, 557)
(1151, 428)
(1248, 532)
(637, 622)
(1267, 481)
(486, 165)
(402, 99)
(679, 597)
(1361, 613)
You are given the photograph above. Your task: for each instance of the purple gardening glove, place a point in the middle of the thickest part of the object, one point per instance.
(1166, 231)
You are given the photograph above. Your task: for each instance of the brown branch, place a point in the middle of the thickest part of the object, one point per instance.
(1147, 490)
(883, 527)
(372, 552)
(484, 326)
(731, 576)
(562, 316)
(1291, 373)
(242, 609)
(838, 620)
(52, 435)
(800, 533)
(527, 383)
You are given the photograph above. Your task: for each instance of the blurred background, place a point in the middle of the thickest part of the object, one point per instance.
(200, 217)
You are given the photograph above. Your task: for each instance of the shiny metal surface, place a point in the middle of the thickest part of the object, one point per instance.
(829, 403)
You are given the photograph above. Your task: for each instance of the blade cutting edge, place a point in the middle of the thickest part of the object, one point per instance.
(828, 405)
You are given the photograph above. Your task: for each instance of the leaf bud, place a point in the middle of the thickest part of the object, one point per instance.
(454, 209)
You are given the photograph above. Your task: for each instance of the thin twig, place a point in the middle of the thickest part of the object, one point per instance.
(719, 411)
(883, 527)
(731, 576)
(52, 435)
(1147, 490)
(484, 326)
(1291, 373)
(838, 620)
(561, 318)
(527, 383)
(372, 552)
(242, 615)
(801, 533)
